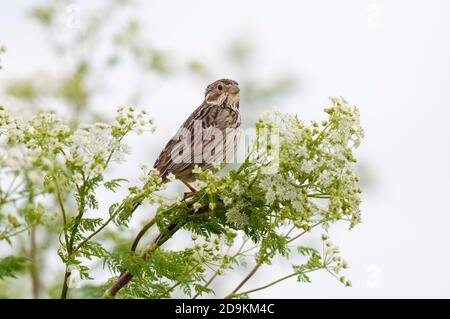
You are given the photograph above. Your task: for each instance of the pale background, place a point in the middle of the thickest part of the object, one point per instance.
(391, 58)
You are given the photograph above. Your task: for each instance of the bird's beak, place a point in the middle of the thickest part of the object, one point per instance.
(233, 90)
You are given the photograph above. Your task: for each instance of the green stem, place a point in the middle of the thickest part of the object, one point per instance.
(65, 287)
(247, 278)
(126, 276)
(34, 269)
(63, 211)
(84, 241)
(6, 235)
(141, 234)
(305, 231)
(71, 239)
(110, 218)
(81, 210)
(222, 266)
(261, 261)
(272, 283)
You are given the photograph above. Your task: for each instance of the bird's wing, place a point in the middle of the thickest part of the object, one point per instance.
(164, 163)
(202, 134)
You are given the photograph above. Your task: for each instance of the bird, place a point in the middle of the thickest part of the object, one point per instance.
(212, 129)
(208, 137)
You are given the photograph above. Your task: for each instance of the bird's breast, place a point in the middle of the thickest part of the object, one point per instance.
(228, 118)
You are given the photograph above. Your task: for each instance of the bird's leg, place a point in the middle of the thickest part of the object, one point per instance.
(192, 189)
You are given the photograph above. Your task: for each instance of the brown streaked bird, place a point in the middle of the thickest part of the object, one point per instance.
(219, 112)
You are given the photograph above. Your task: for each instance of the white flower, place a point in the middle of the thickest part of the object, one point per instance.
(301, 151)
(47, 162)
(325, 179)
(278, 187)
(297, 205)
(34, 176)
(227, 200)
(235, 216)
(307, 166)
(77, 178)
(270, 197)
(197, 169)
(154, 172)
(237, 189)
(197, 206)
(198, 184)
(98, 169)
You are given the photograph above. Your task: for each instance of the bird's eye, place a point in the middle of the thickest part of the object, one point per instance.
(220, 87)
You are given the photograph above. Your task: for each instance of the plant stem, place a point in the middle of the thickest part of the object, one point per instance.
(32, 254)
(65, 287)
(214, 276)
(126, 276)
(249, 275)
(81, 210)
(84, 241)
(274, 282)
(260, 262)
(6, 235)
(268, 285)
(63, 211)
(71, 240)
(35, 282)
(305, 231)
(222, 266)
(141, 234)
(78, 218)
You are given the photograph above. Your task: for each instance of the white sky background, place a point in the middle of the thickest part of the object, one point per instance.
(391, 58)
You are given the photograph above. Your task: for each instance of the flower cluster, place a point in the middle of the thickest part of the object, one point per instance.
(93, 147)
(45, 142)
(316, 173)
(328, 259)
(44, 155)
(332, 260)
(296, 177)
(315, 179)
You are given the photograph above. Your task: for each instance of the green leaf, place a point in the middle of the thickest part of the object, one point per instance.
(92, 249)
(10, 265)
(202, 289)
(306, 251)
(89, 224)
(113, 184)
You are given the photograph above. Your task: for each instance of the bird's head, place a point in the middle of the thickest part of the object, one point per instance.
(224, 90)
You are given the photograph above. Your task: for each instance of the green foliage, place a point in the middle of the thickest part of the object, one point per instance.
(114, 184)
(78, 38)
(314, 185)
(74, 88)
(22, 89)
(296, 177)
(52, 169)
(11, 265)
(43, 157)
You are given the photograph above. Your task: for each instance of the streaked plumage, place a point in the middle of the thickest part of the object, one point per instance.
(219, 111)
